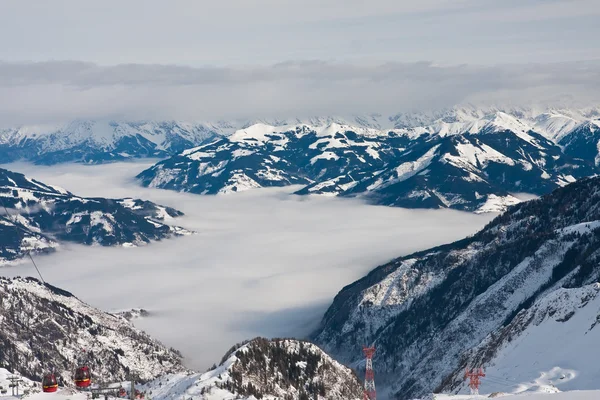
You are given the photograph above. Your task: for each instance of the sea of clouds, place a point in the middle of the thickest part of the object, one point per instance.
(263, 262)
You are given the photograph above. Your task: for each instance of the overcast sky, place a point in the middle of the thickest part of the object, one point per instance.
(200, 32)
(199, 59)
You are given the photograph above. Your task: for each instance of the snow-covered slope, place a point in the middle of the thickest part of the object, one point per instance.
(431, 312)
(42, 327)
(25, 386)
(41, 216)
(264, 369)
(470, 162)
(544, 348)
(550, 122)
(571, 395)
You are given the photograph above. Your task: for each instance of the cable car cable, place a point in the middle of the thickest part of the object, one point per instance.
(16, 223)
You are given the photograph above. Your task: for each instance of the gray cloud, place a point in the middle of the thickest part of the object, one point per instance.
(200, 32)
(59, 91)
(263, 262)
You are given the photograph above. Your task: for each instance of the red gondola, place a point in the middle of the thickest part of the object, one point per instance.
(82, 377)
(49, 384)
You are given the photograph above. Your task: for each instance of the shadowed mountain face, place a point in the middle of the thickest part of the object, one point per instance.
(41, 216)
(432, 313)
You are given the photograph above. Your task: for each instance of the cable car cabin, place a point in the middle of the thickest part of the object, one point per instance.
(82, 377)
(49, 384)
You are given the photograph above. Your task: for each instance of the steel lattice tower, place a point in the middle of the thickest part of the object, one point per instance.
(370, 393)
(474, 376)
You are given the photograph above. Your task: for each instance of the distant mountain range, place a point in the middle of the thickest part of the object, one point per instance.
(466, 158)
(466, 161)
(96, 142)
(41, 216)
(520, 298)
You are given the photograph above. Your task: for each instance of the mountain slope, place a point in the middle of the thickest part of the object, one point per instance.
(265, 369)
(584, 142)
(518, 356)
(41, 216)
(424, 311)
(43, 327)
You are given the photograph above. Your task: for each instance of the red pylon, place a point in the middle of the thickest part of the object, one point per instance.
(370, 393)
(474, 376)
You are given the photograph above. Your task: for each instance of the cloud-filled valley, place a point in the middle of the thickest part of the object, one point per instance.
(263, 262)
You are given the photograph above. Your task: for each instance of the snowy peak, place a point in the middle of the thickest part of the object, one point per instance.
(583, 142)
(554, 125)
(267, 369)
(258, 132)
(501, 121)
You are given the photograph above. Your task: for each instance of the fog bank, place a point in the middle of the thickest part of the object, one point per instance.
(263, 262)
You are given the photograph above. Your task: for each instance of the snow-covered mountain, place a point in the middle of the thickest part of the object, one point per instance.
(100, 141)
(41, 216)
(551, 122)
(465, 161)
(265, 369)
(475, 170)
(500, 299)
(264, 155)
(43, 327)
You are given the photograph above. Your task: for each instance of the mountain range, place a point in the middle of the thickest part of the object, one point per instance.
(467, 157)
(40, 216)
(464, 161)
(94, 142)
